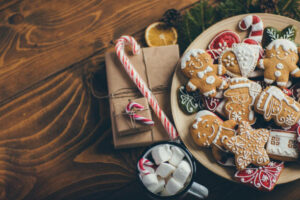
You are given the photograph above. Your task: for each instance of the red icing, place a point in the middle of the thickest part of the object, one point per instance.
(262, 178)
(211, 103)
(222, 40)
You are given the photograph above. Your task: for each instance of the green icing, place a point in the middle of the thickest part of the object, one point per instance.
(271, 33)
(190, 102)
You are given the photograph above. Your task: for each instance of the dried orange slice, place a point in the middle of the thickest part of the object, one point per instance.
(160, 34)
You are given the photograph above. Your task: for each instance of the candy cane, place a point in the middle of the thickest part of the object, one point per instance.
(136, 117)
(145, 166)
(256, 24)
(136, 78)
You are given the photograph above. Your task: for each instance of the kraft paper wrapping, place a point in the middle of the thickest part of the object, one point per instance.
(156, 66)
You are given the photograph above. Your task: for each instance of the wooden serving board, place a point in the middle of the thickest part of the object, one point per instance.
(183, 121)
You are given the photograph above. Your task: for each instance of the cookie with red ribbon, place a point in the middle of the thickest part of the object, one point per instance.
(261, 178)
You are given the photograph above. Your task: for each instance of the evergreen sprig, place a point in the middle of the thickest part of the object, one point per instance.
(203, 15)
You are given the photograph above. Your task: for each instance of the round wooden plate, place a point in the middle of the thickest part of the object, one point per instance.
(183, 121)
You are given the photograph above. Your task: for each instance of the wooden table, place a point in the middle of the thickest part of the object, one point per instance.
(55, 137)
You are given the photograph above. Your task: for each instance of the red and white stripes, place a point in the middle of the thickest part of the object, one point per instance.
(145, 166)
(257, 27)
(136, 78)
(135, 116)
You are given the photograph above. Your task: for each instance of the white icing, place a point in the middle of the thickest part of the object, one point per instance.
(286, 45)
(268, 81)
(187, 56)
(209, 92)
(202, 73)
(282, 84)
(222, 85)
(238, 79)
(261, 63)
(295, 71)
(220, 69)
(195, 125)
(282, 144)
(277, 74)
(191, 86)
(210, 80)
(203, 113)
(279, 66)
(241, 85)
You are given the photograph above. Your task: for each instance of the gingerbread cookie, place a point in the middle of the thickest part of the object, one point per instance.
(248, 146)
(240, 59)
(240, 98)
(280, 61)
(189, 102)
(198, 66)
(273, 103)
(208, 129)
(262, 178)
(282, 145)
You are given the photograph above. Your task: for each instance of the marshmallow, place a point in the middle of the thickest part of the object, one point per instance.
(149, 180)
(182, 172)
(172, 187)
(161, 153)
(164, 170)
(177, 156)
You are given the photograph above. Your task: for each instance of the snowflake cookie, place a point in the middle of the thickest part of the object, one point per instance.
(281, 57)
(262, 178)
(240, 98)
(240, 59)
(274, 104)
(248, 146)
(208, 129)
(198, 66)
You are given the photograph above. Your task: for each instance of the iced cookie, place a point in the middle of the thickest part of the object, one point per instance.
(208, 129)
(240, 98)
(248, 146)
(274, 104)
(240, 59)
(271, 33)
(282, 145)
(198, 66)
(262, 178)
(189, 102)
(280, 60)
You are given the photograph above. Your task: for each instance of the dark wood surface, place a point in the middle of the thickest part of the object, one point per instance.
(55, 137)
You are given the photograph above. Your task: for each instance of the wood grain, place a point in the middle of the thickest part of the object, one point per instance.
(55, 137)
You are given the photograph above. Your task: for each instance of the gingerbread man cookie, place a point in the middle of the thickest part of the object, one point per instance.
(240, 59)
(248, 146)
(240, 98)
(273, 103)
(209, 129)
(280, 61)
(198, 66)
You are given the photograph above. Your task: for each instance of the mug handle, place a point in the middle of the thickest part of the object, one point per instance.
(198, 190)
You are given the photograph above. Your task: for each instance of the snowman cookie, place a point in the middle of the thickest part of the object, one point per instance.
(198, 66)
(281, 57)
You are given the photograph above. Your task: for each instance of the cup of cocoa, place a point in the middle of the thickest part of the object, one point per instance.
(167, 170)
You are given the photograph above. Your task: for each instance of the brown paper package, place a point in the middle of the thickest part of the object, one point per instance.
(156, 66)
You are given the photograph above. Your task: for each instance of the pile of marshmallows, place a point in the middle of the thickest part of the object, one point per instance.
(171, 172)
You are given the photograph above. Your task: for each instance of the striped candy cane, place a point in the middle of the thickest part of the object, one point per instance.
(136, 117)
(256, 24)
(145, 166)
(136, 78)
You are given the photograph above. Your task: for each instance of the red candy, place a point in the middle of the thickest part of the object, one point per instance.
(221, 41)
(262, 178)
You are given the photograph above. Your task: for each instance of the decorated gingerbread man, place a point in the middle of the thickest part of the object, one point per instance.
(248, 146)
(198, 66)
(280, 61)
(208, 129)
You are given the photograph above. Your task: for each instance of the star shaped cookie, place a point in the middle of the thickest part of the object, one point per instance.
(248, 146)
